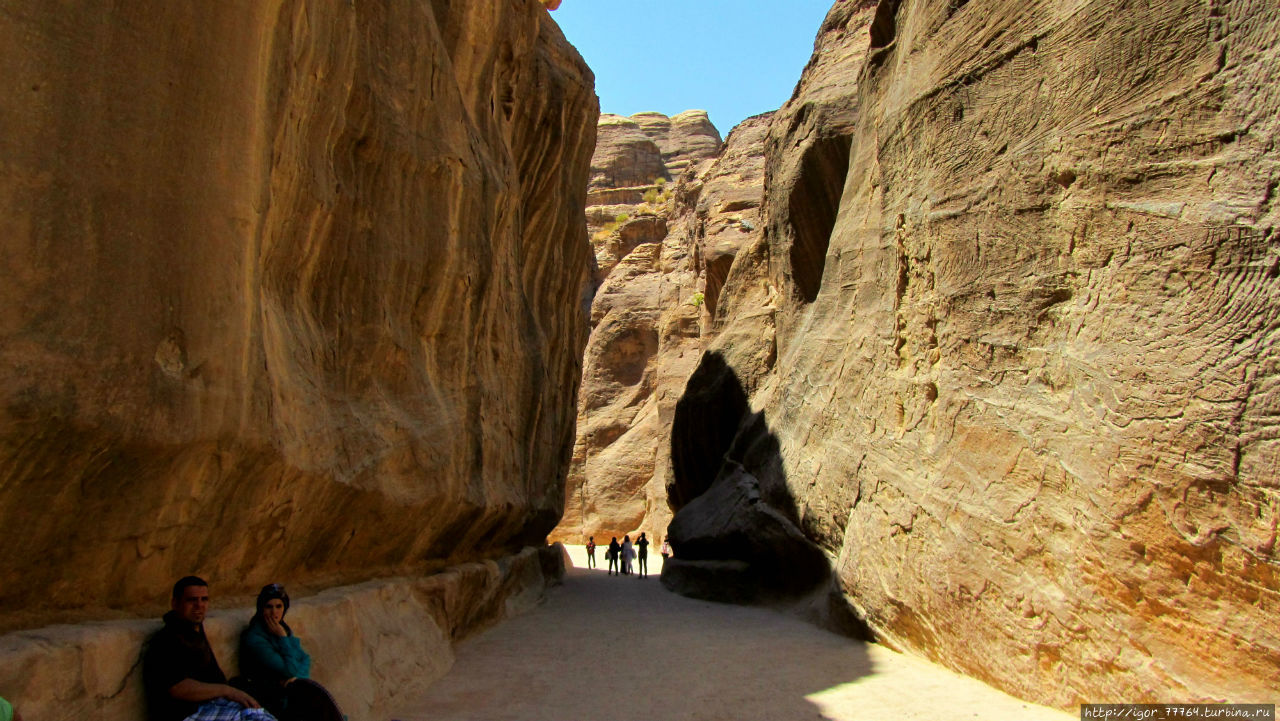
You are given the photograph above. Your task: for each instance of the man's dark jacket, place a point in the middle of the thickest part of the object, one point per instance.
(176, 652)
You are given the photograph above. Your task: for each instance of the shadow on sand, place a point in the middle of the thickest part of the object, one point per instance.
(612, 648)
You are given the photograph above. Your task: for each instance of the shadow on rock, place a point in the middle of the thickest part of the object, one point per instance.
(736, 534)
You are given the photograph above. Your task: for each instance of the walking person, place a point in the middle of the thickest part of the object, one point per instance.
(666, 550)
(642, 553)
(628, 554)
(611, 555)
(591, 551)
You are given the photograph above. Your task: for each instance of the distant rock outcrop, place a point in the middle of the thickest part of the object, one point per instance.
(1018, 375)
(661, 262)
(292, 291)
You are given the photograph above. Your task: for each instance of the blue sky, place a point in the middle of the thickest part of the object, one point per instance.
(732, 58)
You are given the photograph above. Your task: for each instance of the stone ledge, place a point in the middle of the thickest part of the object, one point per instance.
(375, 645)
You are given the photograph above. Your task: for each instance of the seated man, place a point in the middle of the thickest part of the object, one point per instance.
(181, 674)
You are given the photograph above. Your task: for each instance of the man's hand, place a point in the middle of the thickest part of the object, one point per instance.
(189, 689)
(234, 694)
(274, 627)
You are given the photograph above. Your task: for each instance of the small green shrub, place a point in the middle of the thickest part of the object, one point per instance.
(696, 299)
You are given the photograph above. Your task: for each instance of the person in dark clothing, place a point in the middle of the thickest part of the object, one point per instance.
(277, 669)
(612, 555)
(180, 673)
(642, 555)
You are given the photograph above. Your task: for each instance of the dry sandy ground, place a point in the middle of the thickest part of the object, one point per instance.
(611, 648)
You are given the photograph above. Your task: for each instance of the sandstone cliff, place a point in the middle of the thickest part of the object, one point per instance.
(291, 291)
(1024, 265)
(660, 270)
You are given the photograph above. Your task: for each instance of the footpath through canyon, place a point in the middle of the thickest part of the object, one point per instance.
(610, 647)
(972, 347)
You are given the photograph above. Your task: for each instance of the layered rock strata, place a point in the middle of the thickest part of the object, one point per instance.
(1023, 262)
(93, 671)
(660, 270)
(291, 291)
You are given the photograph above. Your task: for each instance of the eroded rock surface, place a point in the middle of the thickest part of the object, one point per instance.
(660, 268)
(1022, 257)
(291, 291)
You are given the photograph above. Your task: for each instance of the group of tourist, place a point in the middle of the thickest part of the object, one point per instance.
(621, 556)
(185, 683)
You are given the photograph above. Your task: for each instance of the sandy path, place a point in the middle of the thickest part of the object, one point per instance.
(609, 648)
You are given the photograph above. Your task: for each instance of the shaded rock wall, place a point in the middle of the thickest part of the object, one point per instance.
(660, 272)
(1023, 260)
(290, 290)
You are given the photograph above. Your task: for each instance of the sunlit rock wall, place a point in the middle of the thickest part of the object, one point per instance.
(660, 273)
(291, 290)
(1027, 287)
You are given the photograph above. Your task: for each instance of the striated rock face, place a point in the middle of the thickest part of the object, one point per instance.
(633, 152)
(290, 291)
(684, 139)
(625, 157)
(1024, 262)
(659, 272)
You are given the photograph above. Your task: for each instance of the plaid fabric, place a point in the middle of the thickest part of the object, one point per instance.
(220, 709)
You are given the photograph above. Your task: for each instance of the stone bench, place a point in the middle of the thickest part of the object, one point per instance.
(376, 645)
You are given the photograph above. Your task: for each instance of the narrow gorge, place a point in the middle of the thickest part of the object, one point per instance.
(982, 363)
(969, 350)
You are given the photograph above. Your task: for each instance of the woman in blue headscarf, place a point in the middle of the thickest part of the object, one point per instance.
(278, 670)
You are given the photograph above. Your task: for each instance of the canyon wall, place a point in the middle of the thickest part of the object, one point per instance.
(293, 291)
(668, 209)
(1007, 349)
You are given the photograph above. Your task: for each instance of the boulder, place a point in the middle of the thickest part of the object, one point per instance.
(732, 545)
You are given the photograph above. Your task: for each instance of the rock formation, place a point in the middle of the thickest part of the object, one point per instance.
(292, 291)
(1019, 374)
(660, 269)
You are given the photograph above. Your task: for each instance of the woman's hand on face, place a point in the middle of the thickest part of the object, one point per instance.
(274, 626)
